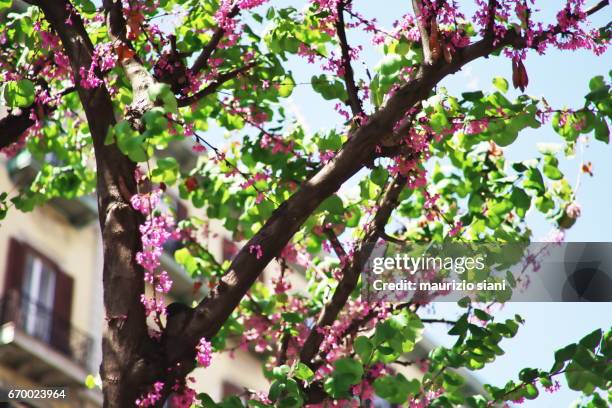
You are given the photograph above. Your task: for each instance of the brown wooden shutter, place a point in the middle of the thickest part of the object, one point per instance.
(13, 280)
(62, 308)
(14, 267)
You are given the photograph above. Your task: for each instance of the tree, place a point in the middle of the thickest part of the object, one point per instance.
(111, 84)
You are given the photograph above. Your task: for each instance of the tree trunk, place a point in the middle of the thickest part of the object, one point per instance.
(125, 370)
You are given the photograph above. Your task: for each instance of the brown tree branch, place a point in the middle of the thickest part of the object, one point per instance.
(201, 61)
(491, 9)
(594, 9)
(349, 77)
(138, 75)
(417, 6)
(214, 85)
(14, 124)
(445, 321)
(352, 269)
(18, 120)
(335, 242)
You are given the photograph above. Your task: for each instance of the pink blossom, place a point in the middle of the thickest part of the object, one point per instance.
(89, 80)
(153, 306)
(152, 397)
(456, 229)
(164, 283)
(144, 203)
(553, 388)
(256, 249)
(204, 353)
(183, 399)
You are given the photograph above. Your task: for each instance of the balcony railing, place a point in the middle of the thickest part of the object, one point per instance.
(42, 323)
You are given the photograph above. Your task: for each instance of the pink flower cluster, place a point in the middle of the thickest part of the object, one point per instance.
(152, 397)
(204, 352)
(103, 59)
(256, 250)
(182, 395)
(158, 229)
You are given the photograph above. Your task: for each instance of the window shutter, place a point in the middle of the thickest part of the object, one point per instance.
(12, 282)
(62, 308)
(14, 267)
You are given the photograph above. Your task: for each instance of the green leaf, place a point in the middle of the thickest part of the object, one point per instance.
(602, 131)
(475, 202)
(286, 87)
(166, 171)
(591, 340)
(521, 201)
(379, 176)
(438, 122)
(276, 389)
(472, 96)
(329, 87)
(333, 205)
(464, 302)
(389, 65)
(580, 378)
(130, 142)
(528, 374)
(206, 401)
(281, 372)
(531, 391)
(597, 82)
(501, 84)
(303, 372)
(91, 382)
(563, 355)
(364, 348)
(349, 366)
(347, 372)
(396, 389)
(87, 6)
(19, 94)
(482, 315)
(534, 181)
(550, 168)
(505, 137)
(461, 327)
(292, 317)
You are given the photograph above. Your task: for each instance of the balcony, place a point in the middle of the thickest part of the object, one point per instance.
(40, 345)
(23, 169)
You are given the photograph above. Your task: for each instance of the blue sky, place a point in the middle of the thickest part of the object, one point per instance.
(563, 79)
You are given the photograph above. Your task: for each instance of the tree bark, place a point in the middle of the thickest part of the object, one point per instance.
(126, 347)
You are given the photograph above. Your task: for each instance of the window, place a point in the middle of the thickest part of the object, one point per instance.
(38, 296)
